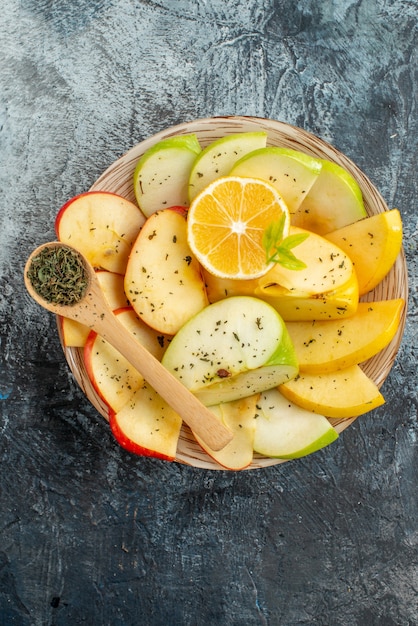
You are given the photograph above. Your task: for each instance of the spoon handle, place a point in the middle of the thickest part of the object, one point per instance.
(97, 315)
(200, 419)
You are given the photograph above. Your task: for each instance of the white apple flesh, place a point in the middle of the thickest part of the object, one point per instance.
(334, 201)
(291, 172)
(163, 280)
(218, 158)
(102, 226)
(147, 425)
(161, 175)
(239, 417)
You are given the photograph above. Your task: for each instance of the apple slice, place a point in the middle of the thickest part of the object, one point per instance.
(239, 417)
(286, 431)
(147, 425)
(334, 200)
(291, 172)
(102, 226)
(373, 245)
(326, 346)
(219, 157)
(344, 393)
(162, 174)
(326, 289)
(341, 302)
(163, 280)
(111, 375)
(75, 334)
(232, 349)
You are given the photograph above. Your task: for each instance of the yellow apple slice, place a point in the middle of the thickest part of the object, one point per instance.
(327, 268)
(147, 425)
(326, 289)
(163, 280)
(338, 303)
(291, 172)
(341, 394)
(326, 346)
(284, 430)
(218, 158)
(102, 226)
(373, 245)
(74, 334)
(334, 200)
(239, 417)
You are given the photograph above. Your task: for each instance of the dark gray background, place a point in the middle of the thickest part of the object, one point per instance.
(91, 534)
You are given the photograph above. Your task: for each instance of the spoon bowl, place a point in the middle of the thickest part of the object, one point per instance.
(93, 311)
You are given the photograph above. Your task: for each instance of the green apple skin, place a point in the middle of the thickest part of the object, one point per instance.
(161, 175)
(286, 431)
(334, 201)
(218, 158)
(291, 172)
(232, 349)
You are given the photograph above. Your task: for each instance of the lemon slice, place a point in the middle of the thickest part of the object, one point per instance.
(226, 224)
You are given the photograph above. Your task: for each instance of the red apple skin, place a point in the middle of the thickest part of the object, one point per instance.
(131, 446)
(179, 209)
(101, 225)
(70, 201)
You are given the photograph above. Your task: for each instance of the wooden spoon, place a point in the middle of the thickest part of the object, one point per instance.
(93, 311)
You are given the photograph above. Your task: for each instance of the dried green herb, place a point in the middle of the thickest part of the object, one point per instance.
(279, 249)
(58, 275)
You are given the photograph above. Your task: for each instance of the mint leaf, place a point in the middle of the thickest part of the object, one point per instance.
(278, 250)
(293, 240)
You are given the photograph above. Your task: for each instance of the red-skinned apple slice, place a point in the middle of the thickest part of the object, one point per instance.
(74, 334)
(112, 376)
(102, 226)
(163, 279)
(147, 425)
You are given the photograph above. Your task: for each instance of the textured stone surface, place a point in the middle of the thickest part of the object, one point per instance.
(90, 534)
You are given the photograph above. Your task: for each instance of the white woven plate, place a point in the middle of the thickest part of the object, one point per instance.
(118, 179)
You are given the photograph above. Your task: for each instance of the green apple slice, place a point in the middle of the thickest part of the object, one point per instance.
(218, 158)
(291, 172)
(162, 174)
(334, 201)
(286, 431)
(232, 349)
